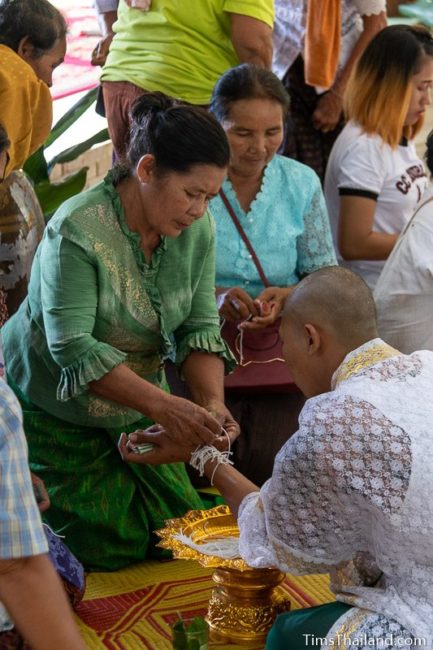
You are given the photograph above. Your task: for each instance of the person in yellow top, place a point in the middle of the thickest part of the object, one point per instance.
(178, 48)
(32, 44)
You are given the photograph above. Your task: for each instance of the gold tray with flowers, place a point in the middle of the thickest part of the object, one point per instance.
(202, 527)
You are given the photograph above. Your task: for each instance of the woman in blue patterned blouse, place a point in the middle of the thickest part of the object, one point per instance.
(280, 205)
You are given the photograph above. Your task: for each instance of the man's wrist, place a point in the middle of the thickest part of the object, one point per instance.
(207, 459)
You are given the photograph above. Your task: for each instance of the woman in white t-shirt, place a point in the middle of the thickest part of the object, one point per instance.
(404, 292)
(374, 177)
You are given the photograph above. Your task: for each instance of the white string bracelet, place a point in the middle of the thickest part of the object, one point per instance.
(204, 453)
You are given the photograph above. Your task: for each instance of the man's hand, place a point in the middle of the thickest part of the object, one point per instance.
(144, 5)
(328, 112)
(100, 53)
(235, 304)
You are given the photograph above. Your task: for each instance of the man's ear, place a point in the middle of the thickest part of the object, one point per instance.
(26, 49)
(313, 338)
(146, 168)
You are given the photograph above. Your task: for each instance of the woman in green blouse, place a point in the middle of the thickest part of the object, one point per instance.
(122, 280)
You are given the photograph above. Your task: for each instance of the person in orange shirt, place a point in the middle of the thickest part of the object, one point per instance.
(32, 45)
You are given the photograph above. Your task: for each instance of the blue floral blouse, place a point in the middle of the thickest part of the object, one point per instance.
(287, 224)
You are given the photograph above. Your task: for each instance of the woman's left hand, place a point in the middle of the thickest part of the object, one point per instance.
(162, 448)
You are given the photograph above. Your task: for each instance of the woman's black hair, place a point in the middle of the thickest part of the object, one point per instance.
(178, 135)
(246, 81)
(429, 152)
(42, 23)
(4, 140)
(397, 47)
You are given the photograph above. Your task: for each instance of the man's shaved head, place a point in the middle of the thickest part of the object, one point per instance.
(336, 300)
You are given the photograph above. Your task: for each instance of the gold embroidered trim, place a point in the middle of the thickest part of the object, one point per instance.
(341, 632)
(364, 359)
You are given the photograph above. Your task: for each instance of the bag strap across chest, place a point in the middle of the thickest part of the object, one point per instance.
(245, 239)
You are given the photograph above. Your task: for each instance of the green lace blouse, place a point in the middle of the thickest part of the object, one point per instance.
(94, 302)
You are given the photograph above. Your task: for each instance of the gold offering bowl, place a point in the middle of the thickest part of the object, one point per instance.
(244, 601)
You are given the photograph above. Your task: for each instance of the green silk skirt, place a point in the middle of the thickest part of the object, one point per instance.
(107, 510)
(303, 628)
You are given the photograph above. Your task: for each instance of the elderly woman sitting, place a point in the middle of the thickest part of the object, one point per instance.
(280, 206)
(124, 269)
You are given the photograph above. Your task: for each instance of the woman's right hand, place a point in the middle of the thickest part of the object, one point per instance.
(235, 304)
(186, 422)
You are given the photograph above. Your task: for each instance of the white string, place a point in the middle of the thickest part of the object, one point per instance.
(224, 547)
(239, 345)
(205, 453)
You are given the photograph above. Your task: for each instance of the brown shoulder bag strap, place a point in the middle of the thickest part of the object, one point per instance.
(245, 239)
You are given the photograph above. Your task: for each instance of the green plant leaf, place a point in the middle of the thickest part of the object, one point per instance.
(52, 195)
(179, 626)
(198, 624)
(193, 644)
(180, 641)
(71, 116)
(73, 152)
(36, 166)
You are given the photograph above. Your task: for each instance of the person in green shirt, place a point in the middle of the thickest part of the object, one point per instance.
(179, 48)
(123, 279)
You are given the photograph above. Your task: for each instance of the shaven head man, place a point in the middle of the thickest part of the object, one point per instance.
(328, 314)
(350, 491)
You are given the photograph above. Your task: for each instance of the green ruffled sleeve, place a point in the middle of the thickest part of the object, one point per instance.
(92, 365)
(204, 340)
(70, 293)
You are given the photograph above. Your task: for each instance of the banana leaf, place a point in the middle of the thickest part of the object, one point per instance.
(73, 152)
(36, 167)
(72, 116)
(52, 195)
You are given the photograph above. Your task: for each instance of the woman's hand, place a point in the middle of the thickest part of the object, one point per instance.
(235, 304)
(228, 423)
(186, 423)
(41, 494)
(165, 449)
(270, 303)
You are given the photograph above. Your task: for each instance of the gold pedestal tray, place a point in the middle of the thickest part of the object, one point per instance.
(244, 601)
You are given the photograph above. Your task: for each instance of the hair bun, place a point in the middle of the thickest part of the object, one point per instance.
(149, 105)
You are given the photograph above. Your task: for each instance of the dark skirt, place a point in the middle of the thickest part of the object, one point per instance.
(106, 509)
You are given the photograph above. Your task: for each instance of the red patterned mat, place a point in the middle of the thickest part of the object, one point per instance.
(76, 74)
(133, 609)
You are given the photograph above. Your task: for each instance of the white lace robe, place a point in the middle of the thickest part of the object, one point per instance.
(351, 494)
